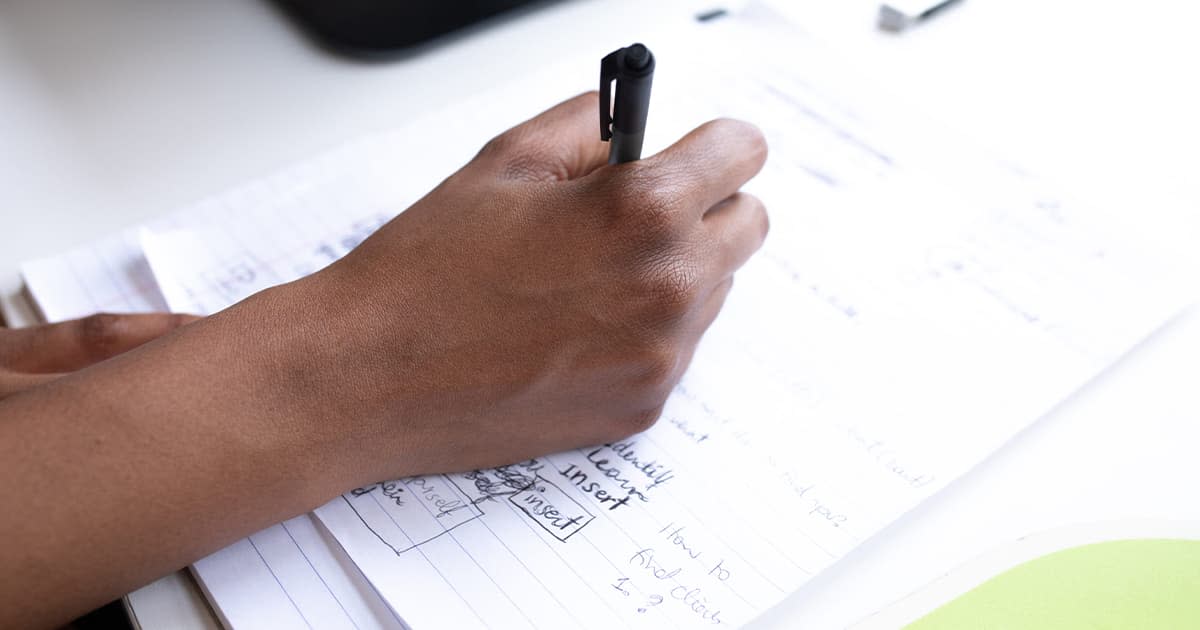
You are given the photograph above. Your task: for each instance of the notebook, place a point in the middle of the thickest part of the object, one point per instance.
(916, 304)
(292, 574)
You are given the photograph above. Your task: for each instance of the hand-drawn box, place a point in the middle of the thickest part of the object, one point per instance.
(413, 511)
(553, 509)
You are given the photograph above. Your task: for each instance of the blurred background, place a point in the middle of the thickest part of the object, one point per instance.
(117, 110)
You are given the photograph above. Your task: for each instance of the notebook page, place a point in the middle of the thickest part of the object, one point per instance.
(110, 275)
(897, 328)
(250, 587)
(292, 573)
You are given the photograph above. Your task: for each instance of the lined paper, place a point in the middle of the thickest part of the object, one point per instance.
(292, 574)
(913, 308)
(326, 205)
(110, 275)
(899, 325)
(290, 571)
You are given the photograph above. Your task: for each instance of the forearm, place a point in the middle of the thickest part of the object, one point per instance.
(538, 300)
(140, 465)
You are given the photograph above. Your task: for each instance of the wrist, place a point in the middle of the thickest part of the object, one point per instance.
(314, 361)
(265, 364)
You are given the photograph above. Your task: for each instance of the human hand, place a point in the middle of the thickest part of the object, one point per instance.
(39, 354)
(537, 300)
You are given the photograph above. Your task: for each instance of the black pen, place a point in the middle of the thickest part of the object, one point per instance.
(632, 68)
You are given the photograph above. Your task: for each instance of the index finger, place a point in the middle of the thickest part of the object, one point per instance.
(710, 163)
(78, 343)
(560, 144)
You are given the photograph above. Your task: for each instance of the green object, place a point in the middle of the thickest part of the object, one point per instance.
(1144, 584)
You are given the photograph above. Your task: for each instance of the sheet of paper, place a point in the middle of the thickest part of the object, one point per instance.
(292, 574)
(328, 203)
(110, 275)
(912, 309)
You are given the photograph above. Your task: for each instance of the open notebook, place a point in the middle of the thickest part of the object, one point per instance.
(915, 306)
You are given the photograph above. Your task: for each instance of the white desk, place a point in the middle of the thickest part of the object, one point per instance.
(114, 111)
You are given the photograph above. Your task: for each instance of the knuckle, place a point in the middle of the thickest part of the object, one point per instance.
(760, 219)
(655, 198)
(646, 193)
(640, 202)
(673, 286)
(101, 332)
(656, 228)
(642, 420)
(498, 146)
(175, 320)
(516, 153)
(750, 136)
(757, 141)
(524, 166)
(726, 287)
(656, 372)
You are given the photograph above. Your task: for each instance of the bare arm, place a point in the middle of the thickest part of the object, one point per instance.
(537, 300)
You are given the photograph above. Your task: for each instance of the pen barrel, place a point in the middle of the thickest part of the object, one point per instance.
(631, 107)
(625, 147)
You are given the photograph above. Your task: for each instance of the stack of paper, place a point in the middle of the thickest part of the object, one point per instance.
(914, 307)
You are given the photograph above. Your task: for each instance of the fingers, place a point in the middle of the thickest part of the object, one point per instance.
(736, 228)
(559, 144)
(708, 164)
(703, 317)
(13, 382)
(707, 312)
(75, 344)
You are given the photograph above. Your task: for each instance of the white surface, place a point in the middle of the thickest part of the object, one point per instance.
(113, 112)
(116, 111)
(940, 353)
(1099, 100)
(172, 602)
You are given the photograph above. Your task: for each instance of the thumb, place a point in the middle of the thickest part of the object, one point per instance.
(559, 144)
(78, 343)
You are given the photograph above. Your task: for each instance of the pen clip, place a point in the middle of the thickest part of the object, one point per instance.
(608, 74)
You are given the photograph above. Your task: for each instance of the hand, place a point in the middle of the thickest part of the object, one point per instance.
(537, 300)
(39, 354)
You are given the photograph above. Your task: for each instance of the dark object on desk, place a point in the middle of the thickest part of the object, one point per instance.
(711, 14)
(386, 28)
(897, 15)
(111, 616)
